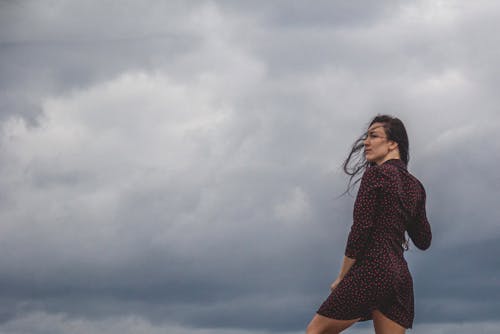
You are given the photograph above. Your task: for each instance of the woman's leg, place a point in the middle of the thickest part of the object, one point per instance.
(384, 325)
(324, 325)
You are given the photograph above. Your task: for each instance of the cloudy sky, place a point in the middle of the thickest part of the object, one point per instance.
(174, 166)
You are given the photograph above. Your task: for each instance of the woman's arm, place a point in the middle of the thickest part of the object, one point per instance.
(364, 212)
(365, 208)
(419, 229)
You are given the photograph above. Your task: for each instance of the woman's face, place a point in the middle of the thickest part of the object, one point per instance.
(377, 147)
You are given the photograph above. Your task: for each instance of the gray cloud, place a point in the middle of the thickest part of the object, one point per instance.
(176, 166)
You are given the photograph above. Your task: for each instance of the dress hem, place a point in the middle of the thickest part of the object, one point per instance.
(368, 317)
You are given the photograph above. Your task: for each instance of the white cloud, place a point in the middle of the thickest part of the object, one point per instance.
(40, 322)
(295, 207)
(186, 151)
(97, 147)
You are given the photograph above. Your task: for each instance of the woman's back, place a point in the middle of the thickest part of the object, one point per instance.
(400, 208)
(390, 201)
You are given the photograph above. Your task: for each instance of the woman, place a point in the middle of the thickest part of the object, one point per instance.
(374, 281)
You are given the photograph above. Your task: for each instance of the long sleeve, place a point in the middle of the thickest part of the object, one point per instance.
(419, 229)
(364, 212)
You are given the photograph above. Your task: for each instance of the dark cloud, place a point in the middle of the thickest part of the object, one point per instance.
(55, 49)
(176, 166)
(296, 14)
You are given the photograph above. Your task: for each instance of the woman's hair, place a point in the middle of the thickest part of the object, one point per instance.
(394, 130)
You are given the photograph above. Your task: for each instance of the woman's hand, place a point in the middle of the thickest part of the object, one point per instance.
(335, 283)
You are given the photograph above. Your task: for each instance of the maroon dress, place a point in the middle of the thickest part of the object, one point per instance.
(390, 201)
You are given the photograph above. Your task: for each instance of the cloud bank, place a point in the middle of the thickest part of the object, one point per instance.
(176, 166)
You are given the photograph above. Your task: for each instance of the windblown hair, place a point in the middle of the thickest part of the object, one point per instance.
(356, 162)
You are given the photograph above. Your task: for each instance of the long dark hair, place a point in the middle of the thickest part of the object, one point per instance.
(394, 130)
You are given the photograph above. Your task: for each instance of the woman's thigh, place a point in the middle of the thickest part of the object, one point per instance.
(384, 325)
(324, 325)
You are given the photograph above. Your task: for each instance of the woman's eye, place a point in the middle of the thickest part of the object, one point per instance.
(370, 135)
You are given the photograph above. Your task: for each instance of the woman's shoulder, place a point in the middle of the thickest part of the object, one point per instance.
(390, 172)
(395, 171)
(374, 176)
(383, 170)
(390, 168)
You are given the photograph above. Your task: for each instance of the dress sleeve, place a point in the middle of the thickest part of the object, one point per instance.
(365, 208)
(419, 229)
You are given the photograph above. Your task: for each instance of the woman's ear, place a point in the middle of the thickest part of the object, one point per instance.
(393, 145)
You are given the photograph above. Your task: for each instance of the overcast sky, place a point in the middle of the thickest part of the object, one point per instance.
(174, 166)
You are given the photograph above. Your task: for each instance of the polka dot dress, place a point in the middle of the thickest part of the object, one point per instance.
(389, 202)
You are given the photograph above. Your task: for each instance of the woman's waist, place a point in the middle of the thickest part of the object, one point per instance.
(385, 254)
